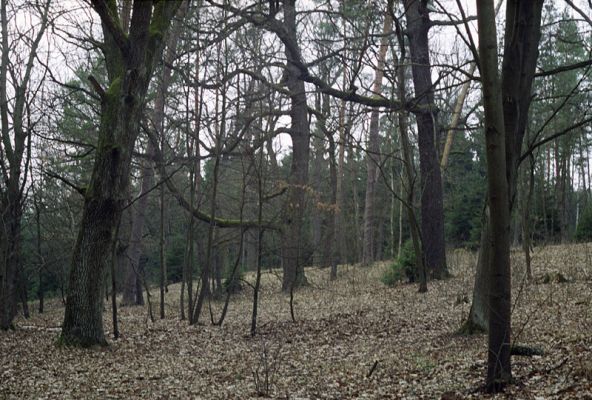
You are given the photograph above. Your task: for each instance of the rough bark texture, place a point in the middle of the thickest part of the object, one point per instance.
(129, 61)
(432, 207)
(522, 36)
(293, 239)
(373, 151)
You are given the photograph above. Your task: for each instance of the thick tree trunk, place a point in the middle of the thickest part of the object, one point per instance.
(373, 151)
(432, 206)
(293, 235)
(129, 59)
(83, 320)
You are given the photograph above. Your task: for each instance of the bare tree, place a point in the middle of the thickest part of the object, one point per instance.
(130, 61)
(16, 125)
(293, 239)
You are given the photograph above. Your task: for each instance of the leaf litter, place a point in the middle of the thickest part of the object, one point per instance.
(353, 338)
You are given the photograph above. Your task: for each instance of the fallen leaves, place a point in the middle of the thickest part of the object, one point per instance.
(344, 330)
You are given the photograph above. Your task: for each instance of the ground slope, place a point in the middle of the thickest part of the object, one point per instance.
(353, 338)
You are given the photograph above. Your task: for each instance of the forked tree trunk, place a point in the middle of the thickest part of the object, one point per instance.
(521, 40)
(129, 60)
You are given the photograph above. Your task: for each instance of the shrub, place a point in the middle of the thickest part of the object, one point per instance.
(403, 267)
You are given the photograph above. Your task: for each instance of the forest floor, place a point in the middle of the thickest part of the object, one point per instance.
(352, 338)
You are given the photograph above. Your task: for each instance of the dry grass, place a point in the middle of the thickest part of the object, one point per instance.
(343, 329)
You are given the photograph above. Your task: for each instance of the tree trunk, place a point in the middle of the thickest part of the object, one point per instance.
(316, 182)
(373, 151)
(293, 238)
(522, 35)
(339, 232)
(132, 293)
(40, 261)
(15, 142)
(526, 220)
(132, 288)
(500, 288)
(10, 255)
(406, 150)
(129, 60)
(432, 206)
(479, 312)
(162, 249)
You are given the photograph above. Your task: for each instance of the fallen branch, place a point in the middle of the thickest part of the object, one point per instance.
(526, 351)
(369, 374)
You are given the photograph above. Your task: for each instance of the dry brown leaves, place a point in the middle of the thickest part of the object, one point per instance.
(354, 338)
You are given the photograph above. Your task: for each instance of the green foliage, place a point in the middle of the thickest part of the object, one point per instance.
(403, 267)
(584, 228)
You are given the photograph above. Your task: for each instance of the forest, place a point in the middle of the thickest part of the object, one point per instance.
(288, 199)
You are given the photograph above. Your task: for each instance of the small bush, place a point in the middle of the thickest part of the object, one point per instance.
(265, 369)
(403, 267)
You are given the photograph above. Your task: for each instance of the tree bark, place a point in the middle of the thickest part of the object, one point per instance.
(293, 238)
(432, 206)
(409, 166)
(499, 371)
(130, 60)
(132, 293)
(521, 39)
(373, 151)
